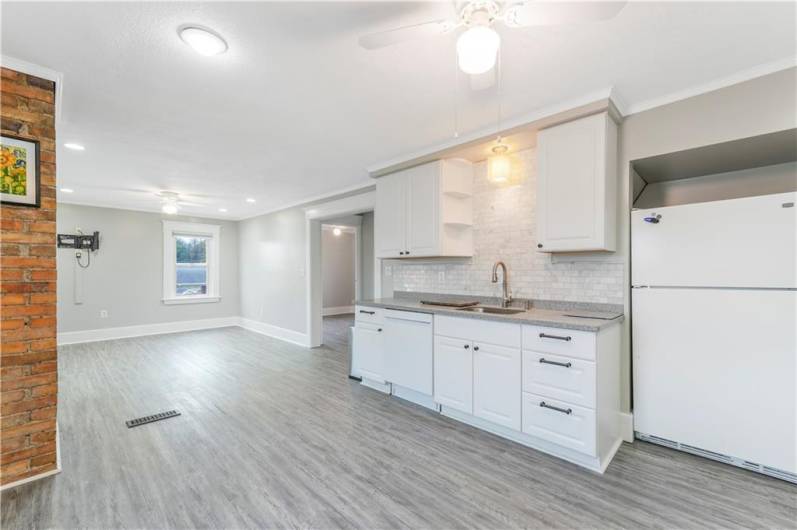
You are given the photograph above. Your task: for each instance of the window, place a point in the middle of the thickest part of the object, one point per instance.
(190, 263)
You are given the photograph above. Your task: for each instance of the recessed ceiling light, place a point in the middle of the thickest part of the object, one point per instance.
(67, 190)
(223, 210)
(204, 41)
(250, 200)
(74, 147)
(337, 231)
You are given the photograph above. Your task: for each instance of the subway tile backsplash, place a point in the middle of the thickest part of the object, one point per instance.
(504, 229)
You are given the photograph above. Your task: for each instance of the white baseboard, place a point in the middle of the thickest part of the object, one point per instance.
(340, 310)
(288, 335)
(93, 335)
(627, 426)
(46, 474)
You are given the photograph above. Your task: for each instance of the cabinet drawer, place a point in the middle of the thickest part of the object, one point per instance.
(567, 342)
(567, 425)
(368, 314)
(499, 333)
(564, 378)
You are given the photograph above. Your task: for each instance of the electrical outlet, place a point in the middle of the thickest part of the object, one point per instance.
(441, 276)
(103, 313)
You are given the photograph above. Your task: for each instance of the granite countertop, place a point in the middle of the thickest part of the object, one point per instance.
(551, 314)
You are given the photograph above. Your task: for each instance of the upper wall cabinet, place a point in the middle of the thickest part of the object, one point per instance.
(425, 211)
(577, 185)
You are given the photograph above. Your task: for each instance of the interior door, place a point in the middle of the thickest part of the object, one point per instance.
(390, 215)
(453, 373)
(422, 207)
(496, 384)
(408, 350)
(369, 351)
(748, 242)
(716, 369)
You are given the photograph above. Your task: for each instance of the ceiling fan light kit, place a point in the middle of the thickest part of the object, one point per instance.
(477, 50)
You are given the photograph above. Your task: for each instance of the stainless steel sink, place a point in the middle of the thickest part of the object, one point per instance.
(493, 310)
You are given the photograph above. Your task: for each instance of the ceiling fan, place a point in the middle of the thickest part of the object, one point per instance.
(477, 46)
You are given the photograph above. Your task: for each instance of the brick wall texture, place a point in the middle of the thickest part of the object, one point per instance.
(28, 355)
(505, 229)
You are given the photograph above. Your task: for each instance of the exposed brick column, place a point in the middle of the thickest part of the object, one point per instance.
(28, 355)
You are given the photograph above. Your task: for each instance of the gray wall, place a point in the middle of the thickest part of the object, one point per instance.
(337, 268)
(126, 275)
(272, 269)
(367, 256)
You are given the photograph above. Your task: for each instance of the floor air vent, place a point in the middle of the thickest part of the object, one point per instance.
(149, 419)
(738, 462)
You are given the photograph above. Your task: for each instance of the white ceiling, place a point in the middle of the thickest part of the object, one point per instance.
(296, 109)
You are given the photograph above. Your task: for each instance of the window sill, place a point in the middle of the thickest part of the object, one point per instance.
(191, 300)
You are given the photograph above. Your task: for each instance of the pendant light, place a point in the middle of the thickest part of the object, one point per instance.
(503, 169)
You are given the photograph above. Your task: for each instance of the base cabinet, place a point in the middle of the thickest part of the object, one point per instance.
(453, 373)
(496, 384)
(369, 351)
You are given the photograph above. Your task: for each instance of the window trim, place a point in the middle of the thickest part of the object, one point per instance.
(213, 233)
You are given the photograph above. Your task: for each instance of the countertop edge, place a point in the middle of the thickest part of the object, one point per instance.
(594, 325)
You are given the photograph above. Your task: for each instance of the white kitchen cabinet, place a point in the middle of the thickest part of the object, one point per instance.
(369, 346)
(496, 384)
(453, 373)
(425, 211)
(577, 185)
(391, 215)
(408, 347)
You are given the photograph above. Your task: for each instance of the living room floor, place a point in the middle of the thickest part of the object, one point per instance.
(275, 435)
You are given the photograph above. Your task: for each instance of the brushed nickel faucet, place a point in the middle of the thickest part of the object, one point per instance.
(507, 295)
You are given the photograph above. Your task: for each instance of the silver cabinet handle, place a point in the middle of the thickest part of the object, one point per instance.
(557, 409)
(557, 337)
(546, 361)
(367, 312)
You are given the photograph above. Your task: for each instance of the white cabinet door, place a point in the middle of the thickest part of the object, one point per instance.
(408, 350)
(390, 221)
(496, 384)
(369, 351)
(453, 373)
(422, 211)
(575, 192)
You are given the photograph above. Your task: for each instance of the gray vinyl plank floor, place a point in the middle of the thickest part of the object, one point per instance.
(273, 435)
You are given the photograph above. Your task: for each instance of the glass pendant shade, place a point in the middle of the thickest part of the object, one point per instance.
(477, 49)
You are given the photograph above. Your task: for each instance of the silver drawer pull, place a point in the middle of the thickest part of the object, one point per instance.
(557, 337)
(367, 312)
(557, 409)
(546, 361)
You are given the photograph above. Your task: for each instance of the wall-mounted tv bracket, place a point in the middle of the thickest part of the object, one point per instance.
(80, 242)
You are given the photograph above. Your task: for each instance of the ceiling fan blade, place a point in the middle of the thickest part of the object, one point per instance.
(406, 33)
(549, 13)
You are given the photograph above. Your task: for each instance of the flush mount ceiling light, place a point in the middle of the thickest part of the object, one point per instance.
(169, 202)
(223, 210)
(74, 147)
(337, 231)
(203, 40)
(250, 200)
(67, 190)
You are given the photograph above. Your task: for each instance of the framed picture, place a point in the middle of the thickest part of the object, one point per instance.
(19, 171)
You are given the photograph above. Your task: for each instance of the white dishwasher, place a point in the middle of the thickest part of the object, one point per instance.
(408, 355)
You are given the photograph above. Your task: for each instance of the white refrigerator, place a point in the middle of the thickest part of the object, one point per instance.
(714, 330)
